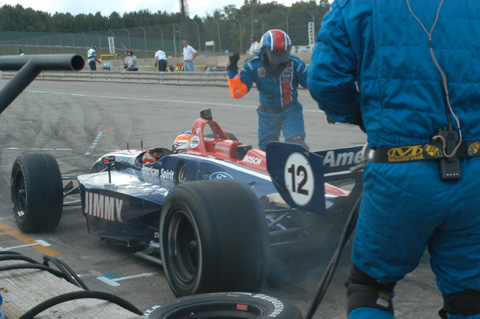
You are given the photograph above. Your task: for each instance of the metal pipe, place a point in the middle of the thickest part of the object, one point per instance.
(29, 68)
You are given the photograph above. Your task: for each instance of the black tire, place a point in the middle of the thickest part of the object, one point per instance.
(225, 305)
(213, 237)
(36, 192)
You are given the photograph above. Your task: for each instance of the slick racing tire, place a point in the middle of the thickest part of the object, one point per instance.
(36, 192)
(213, 237)
(225, 305)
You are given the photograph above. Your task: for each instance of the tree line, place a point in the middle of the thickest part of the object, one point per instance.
(17, 18)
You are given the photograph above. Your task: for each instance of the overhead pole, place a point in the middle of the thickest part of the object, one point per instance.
(184, 13)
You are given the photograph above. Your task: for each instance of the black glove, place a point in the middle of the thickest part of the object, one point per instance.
(233, 58)
(155, 64)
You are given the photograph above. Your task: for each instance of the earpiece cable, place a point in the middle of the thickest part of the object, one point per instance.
(444, 82)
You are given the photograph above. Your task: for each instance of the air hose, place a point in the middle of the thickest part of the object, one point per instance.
(79, 295)
(64, 272)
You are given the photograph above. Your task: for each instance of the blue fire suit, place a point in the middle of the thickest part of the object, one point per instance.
(280, 110)
(406, 208)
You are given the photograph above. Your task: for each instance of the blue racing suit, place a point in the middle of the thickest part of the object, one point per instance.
(279, 110)
(380, 46)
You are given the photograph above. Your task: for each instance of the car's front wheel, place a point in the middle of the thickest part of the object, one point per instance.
(36, 192)
(213, 237)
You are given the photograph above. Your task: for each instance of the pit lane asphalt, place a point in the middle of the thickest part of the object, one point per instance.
(78, 122)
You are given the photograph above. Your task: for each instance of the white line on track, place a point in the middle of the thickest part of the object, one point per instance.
(39, 149)
(37, 242)
(154, 100)
(112, 280)
(94, 144)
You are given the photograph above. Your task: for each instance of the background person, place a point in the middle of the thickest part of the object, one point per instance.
(92, 58)
(189, 55)
(277, 75)
(416, 65)
(254, 47)
(131, 62)
(20, 52)
(160, 60)
(125, 60)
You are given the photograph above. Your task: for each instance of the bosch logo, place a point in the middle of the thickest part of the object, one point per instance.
(252, 160)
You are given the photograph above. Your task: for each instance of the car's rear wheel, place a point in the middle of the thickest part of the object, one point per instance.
(36, 192)
(225, 305)
(213, 237)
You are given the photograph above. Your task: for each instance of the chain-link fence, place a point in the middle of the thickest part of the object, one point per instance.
(209, 36)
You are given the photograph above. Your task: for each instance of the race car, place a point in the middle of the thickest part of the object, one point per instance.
(210, 215)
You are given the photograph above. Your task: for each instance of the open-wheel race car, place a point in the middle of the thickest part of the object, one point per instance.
(210, 215)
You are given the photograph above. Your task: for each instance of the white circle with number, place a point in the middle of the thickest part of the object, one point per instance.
(299, 179)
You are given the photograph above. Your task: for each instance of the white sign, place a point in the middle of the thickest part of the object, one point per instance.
(302, 49)
(299, 179)
(311, 34)
(210, 43)
(111, 45)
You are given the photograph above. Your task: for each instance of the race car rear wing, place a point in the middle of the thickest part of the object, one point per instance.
(299, 175)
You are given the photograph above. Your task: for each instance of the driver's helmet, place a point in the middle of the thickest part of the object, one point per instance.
(276, 46)
(182, 142)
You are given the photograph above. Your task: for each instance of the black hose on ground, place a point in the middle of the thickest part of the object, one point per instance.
(66, 273)
(64, 268)
(79, 295)
(35, 266)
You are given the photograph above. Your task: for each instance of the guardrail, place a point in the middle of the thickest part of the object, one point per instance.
(208, 78)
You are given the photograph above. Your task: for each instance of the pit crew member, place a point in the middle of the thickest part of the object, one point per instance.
(277, 75)
(415, 64)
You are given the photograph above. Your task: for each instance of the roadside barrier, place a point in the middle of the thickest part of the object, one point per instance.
(208, 78)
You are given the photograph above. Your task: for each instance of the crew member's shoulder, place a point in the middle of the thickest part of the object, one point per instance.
(340, 3)
(254, 62)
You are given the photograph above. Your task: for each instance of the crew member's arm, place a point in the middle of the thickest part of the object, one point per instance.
(96, 58)
(238, 88)
(332, 72)
(301, 73)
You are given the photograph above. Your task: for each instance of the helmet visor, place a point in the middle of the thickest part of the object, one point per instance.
(278, 56)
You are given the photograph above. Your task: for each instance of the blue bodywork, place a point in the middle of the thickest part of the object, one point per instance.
(125, 204)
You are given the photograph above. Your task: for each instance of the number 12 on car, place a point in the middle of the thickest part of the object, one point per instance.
(299, 178)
